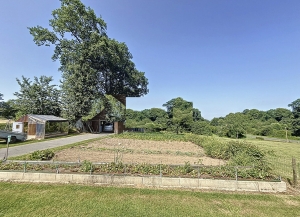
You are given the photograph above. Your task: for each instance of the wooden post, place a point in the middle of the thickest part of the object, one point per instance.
(294, 165)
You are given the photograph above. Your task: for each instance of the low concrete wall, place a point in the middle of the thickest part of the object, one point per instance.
(151, 181)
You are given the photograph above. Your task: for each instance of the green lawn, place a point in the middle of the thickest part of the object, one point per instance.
(19, 199)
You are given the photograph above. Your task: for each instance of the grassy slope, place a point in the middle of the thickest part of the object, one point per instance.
(283, 153)
(19, 199)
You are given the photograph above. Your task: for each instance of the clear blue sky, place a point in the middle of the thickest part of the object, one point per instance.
(224, 56)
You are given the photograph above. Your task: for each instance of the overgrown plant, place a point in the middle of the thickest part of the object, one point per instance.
(235, 152)
(42, 155)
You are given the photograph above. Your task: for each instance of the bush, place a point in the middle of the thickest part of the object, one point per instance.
(266, 131)
(2, 126)
(86, 166)
(42, 155)
(201, 128)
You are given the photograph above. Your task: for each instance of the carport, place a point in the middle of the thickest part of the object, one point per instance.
(42, 126)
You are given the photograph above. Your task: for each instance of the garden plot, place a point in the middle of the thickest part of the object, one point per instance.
(138, 151)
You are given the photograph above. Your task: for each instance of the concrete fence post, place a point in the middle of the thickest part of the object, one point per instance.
(25, 166)
(56, 167)
(160, 173)
(294, 165)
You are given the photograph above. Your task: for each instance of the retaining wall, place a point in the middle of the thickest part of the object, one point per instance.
(151, 181)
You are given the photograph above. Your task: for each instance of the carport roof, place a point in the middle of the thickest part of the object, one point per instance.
(47, 118)
(42, 118)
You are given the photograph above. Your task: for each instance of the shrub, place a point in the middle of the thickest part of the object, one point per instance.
(42, 155)
(86, 166)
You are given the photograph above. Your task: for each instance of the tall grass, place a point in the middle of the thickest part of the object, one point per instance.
(281, 157)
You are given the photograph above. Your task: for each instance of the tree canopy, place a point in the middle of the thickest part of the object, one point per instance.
(37, 97)
(1, 99)
(92, 64)
(295, 105)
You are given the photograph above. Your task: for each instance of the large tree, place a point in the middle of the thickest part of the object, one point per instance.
(37, 97)
(180, 113)
(92, 64)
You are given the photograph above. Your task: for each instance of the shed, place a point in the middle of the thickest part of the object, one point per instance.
(43, 126)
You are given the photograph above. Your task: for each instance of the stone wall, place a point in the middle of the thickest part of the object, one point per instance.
(148, 181)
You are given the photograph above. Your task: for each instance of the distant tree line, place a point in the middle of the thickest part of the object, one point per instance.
(180, 116)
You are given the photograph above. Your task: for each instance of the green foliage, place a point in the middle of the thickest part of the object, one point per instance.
(37, 97)
(86, 166)
(201, 128)
(92, 64)
(277, 123)
(158, 115)
(2, 126)
(236, 152)
(56, 127)
(197, 115)
(1, 104)
(115, 110)
(295, 125)
(9, 109)
(182, 119)
(180, 114)
(42, 155)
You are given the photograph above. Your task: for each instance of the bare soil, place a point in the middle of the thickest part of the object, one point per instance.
(138, 151)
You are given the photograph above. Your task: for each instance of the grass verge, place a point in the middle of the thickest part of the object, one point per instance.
(3, 142)
(23, 199)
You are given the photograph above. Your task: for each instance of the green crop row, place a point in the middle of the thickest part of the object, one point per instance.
(223, 172)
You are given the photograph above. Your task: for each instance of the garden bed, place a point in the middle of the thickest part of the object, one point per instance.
(138, 151)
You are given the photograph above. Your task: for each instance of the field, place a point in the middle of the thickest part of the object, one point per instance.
(138, 151)
(172, 149)
(19, 199)
(281, 159)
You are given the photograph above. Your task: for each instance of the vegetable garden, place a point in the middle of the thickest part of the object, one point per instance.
(192, 156)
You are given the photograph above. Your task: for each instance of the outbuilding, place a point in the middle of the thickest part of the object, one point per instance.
(41, 126)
